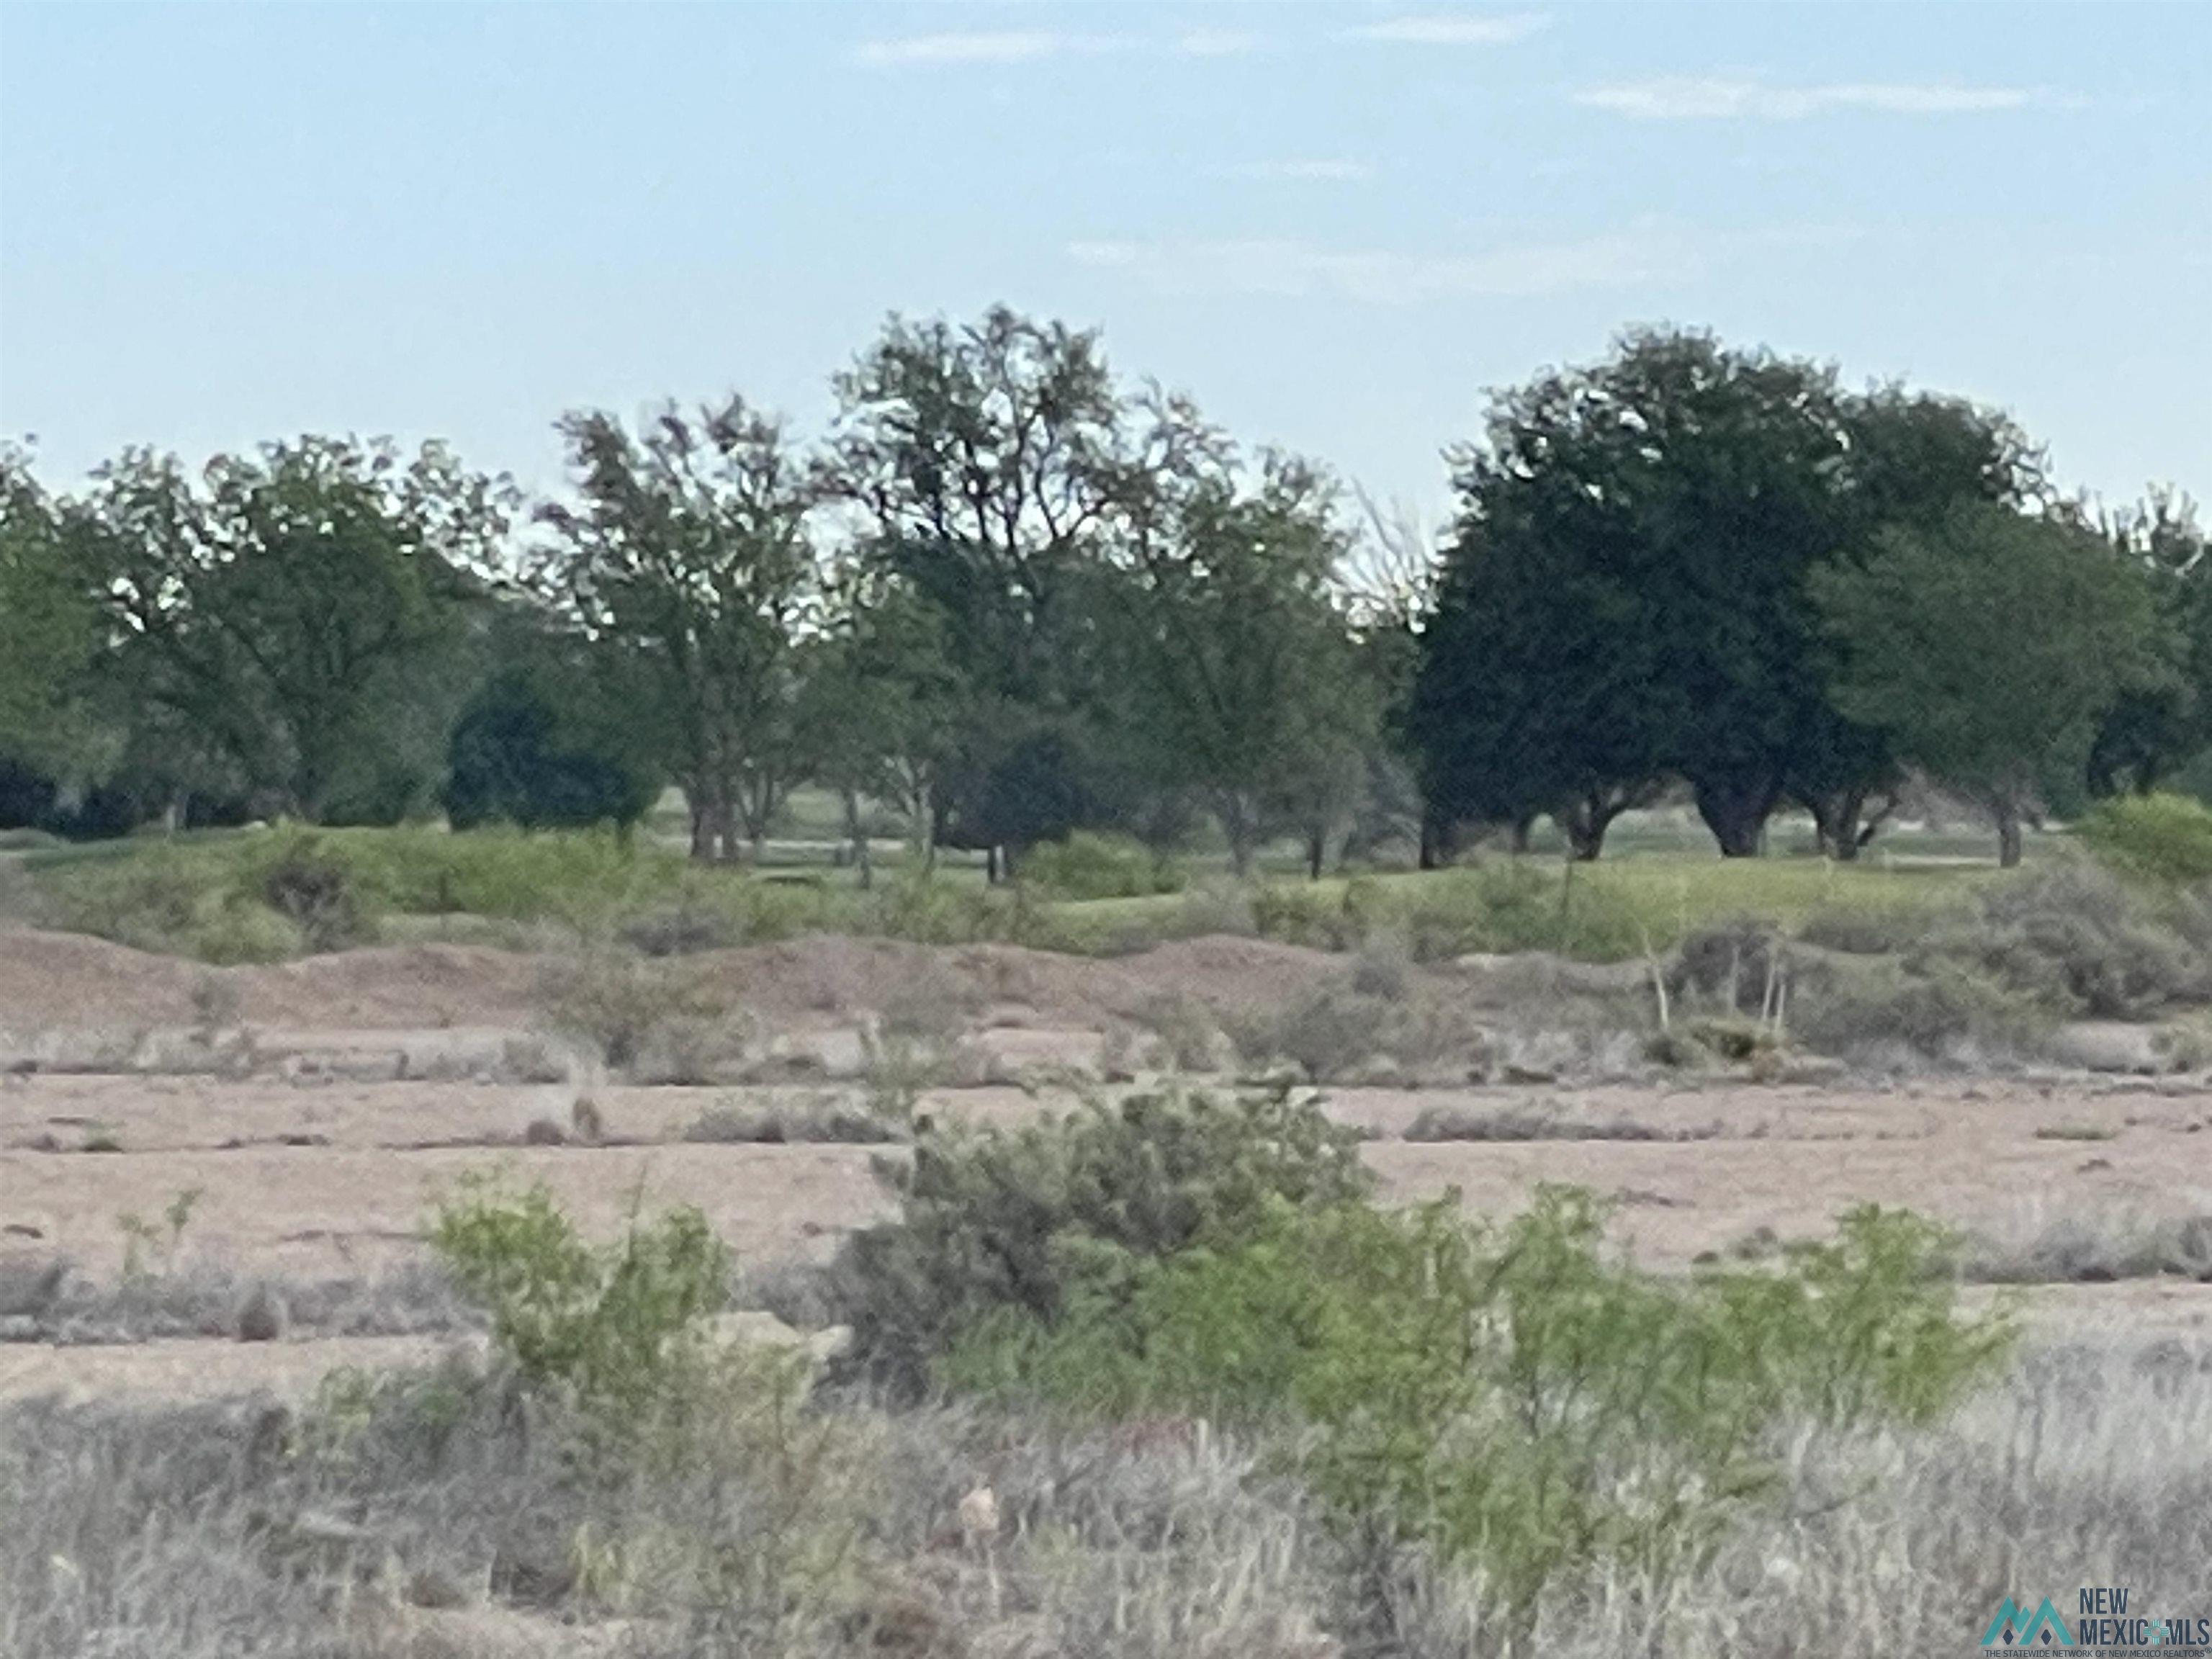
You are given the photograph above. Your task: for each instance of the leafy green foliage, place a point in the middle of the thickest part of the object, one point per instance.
(1990, 648)
(513, 758)
(1513, 1394)
(1090, 865)
(1488, 908)
(2166, 838)
(687, 566)
(993, 1218)
(606, 1327)
(304, 881)
(292, 617)
(1940, 1010)
(2154, 732)
(1239, 670)
(1623, 594)
(48, 634)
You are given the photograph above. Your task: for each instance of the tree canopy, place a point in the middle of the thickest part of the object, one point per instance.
(1624, 597)
(1990, 648)
(1007, 594)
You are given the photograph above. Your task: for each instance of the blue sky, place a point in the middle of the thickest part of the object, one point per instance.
(1335, 225)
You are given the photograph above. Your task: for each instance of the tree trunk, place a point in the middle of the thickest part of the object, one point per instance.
(1316, 851)
(856, 833)
(1436, 840)
(991, 865)
(703, 827)
(1523, 827)
(1735, 809)
(1585, 821)
(2007, 813)
(1836, 823)
(1239, 825)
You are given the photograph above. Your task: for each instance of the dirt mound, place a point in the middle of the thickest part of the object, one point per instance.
(830, 979)
(402, 987)
(1224, 972)
(67, 978)
(49, 980)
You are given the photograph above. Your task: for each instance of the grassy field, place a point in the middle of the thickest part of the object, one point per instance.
(267, 895)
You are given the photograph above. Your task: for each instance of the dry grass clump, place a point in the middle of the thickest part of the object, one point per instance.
(1186, 1037)
(2092, 1247)
(397, 1503)
(649, 1020)
(791, 1119)
(397, 1507)
(1381, 1024)
(1439, 1123)
(632, 1475)
(50, 1300)
(2092, 1467)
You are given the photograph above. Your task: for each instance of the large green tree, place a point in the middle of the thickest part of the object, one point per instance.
(1912, 457)
(2150, 734)
(545, 739)
(282, 623)
(687, 558)
(1990, 648)
(1243, 675)
(1624, 596)
(882, 706)
(48, 621)
(991, 464)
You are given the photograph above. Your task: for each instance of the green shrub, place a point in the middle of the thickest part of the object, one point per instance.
(1090, 865)
(303, 878)
(1515, 1396)
(174, 899)
(993, 1218)
(606, 1328)
(930, 910)
(2165, 838)
(239, 932)
(1496, 909)
(1299, 913)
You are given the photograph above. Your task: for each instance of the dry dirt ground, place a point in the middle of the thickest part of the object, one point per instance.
(372, 1084)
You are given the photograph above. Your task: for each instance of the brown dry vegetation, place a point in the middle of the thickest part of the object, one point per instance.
(317, 1109)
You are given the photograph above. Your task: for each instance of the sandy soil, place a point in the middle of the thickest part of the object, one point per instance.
(309, 1172)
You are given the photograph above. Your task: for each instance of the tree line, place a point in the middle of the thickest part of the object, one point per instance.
(1008, 594)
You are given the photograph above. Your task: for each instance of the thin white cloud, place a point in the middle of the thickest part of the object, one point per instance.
(1452, 28)
(1318, 170)
(1716, 98)
(1285, 268)
(1215, 43)
(984, 46)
